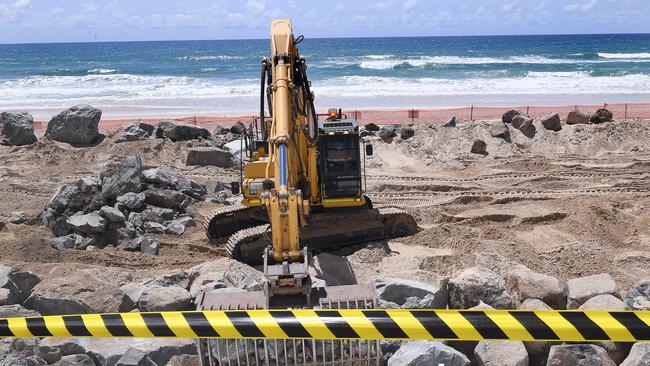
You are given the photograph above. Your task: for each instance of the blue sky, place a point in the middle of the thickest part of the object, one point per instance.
(88, 20)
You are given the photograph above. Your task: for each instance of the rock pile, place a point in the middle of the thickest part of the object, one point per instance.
(121, 208)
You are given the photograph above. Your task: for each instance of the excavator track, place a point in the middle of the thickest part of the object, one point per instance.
(227, 220)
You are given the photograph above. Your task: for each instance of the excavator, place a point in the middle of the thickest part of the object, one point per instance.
(302, 193)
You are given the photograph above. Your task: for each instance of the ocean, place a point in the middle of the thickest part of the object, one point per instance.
(222, 77)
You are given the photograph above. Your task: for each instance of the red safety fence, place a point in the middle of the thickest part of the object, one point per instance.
(621, 111)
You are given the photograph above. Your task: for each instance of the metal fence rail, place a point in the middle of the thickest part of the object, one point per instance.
(621, 111)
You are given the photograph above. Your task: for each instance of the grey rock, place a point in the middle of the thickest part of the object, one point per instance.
(65, 346)
(149, 246)
(427, 353)
(124, 179)
(7, 297)
(75, 360)
(47, 353)
(159, 214)
(208, 156)
(601, 116)
(479, 147)
(163, 177)
(135, 357)
(132, 245)
(132, 201)
(135, 132)
(577, 117)
(451, 122)
(509, 115)
(522, 123)
(578, 355)
(638, 297)
(18, 217)
(181, 131)
(603, 302)
(178, 227)
(371, 127)
(118, 233)
(112, 214)
(508, 353)
(138, 219)
(67, 242)
(22, 283)
(552, 122)
(581, 289)
(332, 269)
(154, 227)
(500, 130)
(88, 184)
(387, 133)
(220, 130)
(16, 311)
(164, 198)
(526, 283)
(17, 129)
(406, 132)
(56, 306)
(476, 284)
(396, 293)
(238, 128)
(184, 360)
(27, 361)
(639, 355)
(91, 223)
(77, 125)
(164, 299)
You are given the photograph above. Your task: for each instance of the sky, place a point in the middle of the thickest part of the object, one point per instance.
(27, 21)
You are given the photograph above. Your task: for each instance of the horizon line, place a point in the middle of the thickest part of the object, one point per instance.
(369, 37)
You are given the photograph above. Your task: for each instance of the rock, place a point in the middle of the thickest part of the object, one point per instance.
(578, 355)
(163, 177)
(75, 360)
(123, 179)
(17, 129)
(500, 130)
(601, 116)
(23, 347)
(451, 122)
(406, 132)
(552, 122)
(332, 269)
(47, 353)
(525, 283)
(132, 245)
(178, 227)
(522, 123)
(474, 284)
(181, 131)
(135, 357)
(387, 133)
(67, 242)
(16, 311)
(135, 132)
(220, 130)
(208, 156)
(508, 353)
(426, 353)
(91, 223)
(479, 147)
(159, 214)
(238, 128)
(394, 293)
(137, 219)
(581, 289)
(7, 297)
(371, 127)
(164, 198)
(603, 302)
(577, 117)
(638, 297)
(76, 125)
(70, 200)
(509, 115)
(184, 360)
(132, 201)
(164, 299)
(149, 246)
(160, 350)
(112, 214)
(639, 355)
(154, 227)
(18, 217)
(65, 346)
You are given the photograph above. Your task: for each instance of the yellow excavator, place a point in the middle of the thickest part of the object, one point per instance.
(303, 193)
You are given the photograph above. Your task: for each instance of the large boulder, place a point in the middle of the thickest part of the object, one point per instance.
(387, 133)
(601, 116)
(17, 129)
(135, 132)
(208, 156)
(426, 353)
(521, 122)
(581, 289)
(395, 293)
(500, 130)
(603, 302)
(132, 201)
(406, 132)
(469, 287)
(509, 115)
(77, 125)
(576, 117)
(479, 147)
(371, 127)
(84, 197)
(16, 311)
(165, 198)
(450, 122)
(163, 177)
(489, 353)
(639, 355)
(638, 297)
(92, 223)
(172, 298)
(578, 355)
(526, 283)
(552, 122)
(124, 179)
(181, 131)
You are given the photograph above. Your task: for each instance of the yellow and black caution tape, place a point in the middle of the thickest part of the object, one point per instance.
(466, 325)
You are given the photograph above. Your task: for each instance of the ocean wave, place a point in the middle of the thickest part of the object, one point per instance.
(101, 71)
(209, 58)
(642, 55)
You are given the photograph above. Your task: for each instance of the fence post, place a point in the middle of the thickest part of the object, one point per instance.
(194, 120)
(625, 111)
(528, 111)
(471, 113)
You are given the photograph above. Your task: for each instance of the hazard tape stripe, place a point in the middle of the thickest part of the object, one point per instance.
(373, 324)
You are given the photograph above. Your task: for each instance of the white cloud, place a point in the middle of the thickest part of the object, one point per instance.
(510, 7)
(89, 7)
(409, 4)
(22, 4)
(588, 6)
(255, 6)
